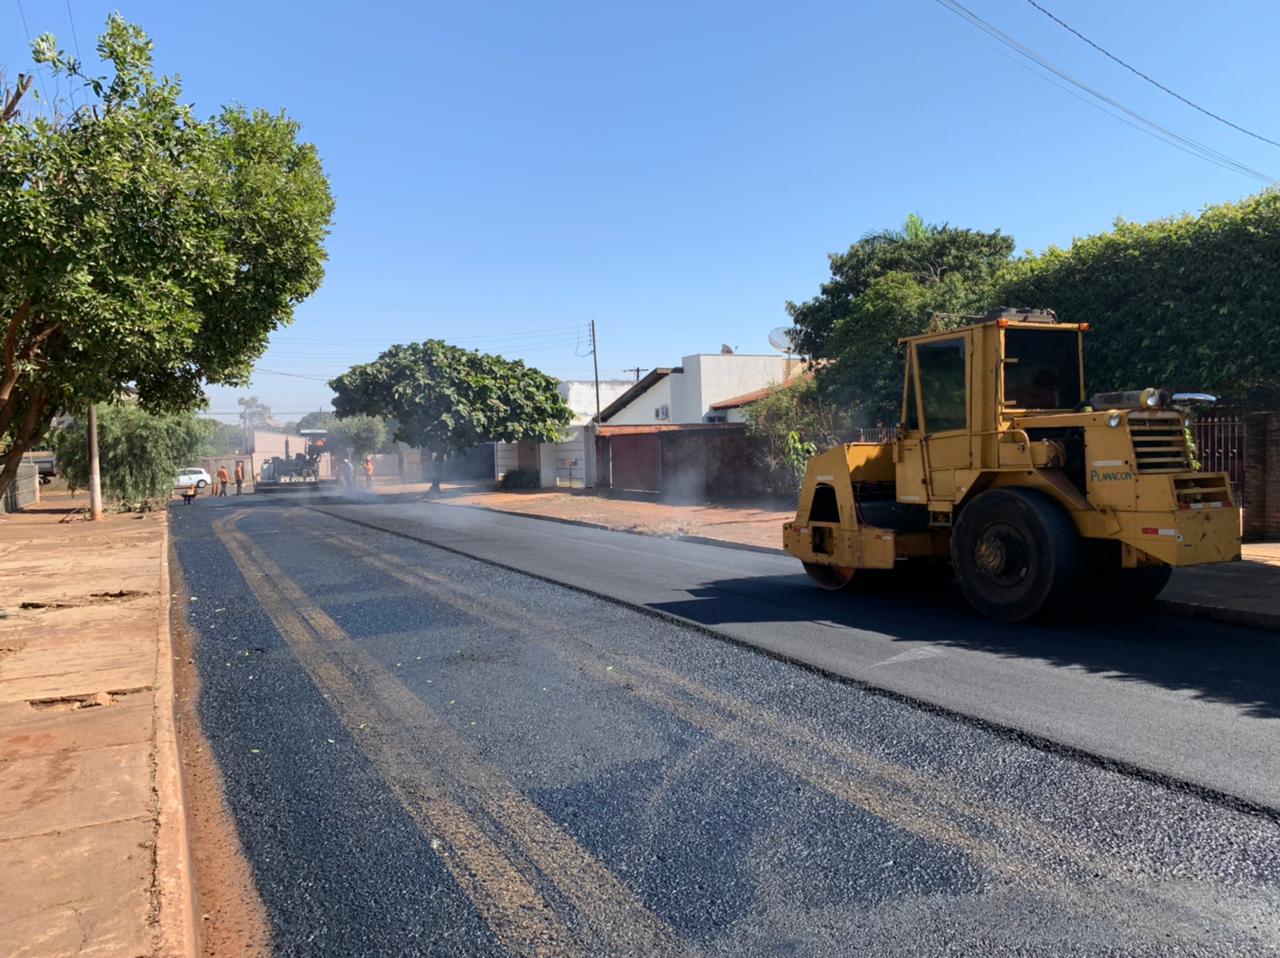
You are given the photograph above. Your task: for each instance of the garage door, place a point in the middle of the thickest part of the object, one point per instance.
(636, 463)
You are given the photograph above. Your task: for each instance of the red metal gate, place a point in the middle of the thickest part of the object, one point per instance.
(635, 463)
(1219, 440)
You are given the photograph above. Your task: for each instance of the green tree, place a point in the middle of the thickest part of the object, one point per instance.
(255, 414)
(140, 246)
(1187, 302)
(319, 419)
(140, 452)
(927, 253)
(891, 284)
(790, 421)
(222, 439)
(445, 399)
(364, 435)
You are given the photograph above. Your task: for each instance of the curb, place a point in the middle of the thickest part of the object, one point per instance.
(588, 524)
(1246, 617)
(173, 881)
(1225, 614)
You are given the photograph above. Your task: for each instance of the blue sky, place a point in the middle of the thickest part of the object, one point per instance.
(677, 171)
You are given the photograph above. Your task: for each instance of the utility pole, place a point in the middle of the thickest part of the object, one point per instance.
(595, 364)
(95, 480)
(635, 369)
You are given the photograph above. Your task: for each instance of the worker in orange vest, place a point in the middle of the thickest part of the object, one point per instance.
(223, 479)
(368, 472)
(239, 475)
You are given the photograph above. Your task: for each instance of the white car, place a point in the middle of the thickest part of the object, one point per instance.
(192, 476)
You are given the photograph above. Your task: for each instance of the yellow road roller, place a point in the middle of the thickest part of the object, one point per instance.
(1038, 496)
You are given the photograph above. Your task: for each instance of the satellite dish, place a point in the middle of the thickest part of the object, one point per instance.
(780, 339)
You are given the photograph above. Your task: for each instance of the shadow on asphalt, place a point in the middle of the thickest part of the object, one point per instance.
(1221, 663)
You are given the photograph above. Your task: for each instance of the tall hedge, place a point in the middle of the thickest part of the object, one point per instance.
(1190, 302)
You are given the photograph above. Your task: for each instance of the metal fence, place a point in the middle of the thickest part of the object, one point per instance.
(24, 490)
(874, 434)
(1219, 441)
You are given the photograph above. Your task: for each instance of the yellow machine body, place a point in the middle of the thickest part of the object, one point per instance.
(995, 404)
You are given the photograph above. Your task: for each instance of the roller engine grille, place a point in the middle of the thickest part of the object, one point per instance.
(1159, 442)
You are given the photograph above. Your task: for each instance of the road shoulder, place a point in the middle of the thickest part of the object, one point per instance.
(93, 847)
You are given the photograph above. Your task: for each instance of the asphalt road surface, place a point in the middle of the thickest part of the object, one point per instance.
(429, 753)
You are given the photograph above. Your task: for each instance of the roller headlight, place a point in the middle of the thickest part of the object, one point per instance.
(1150, 398)
(1114, 420)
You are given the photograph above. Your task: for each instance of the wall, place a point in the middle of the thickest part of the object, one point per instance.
(1262, 477)
(580, 395)
(24, 490)
(546, 464)
(569, 461)
(713, 378)
(640, 410)
(718, 463)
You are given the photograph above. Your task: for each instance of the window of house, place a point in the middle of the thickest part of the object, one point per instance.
(942, 382)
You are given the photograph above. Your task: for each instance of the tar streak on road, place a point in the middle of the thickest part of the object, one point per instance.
(425, 754)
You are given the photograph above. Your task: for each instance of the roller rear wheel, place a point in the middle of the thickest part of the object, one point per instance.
(833, 578)
(1016, 554)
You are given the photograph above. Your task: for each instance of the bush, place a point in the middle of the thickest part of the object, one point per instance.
(1187, 302)
(788, 426)
(140, 453)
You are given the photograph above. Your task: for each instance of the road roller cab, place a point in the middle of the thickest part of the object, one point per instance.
(1037, 494)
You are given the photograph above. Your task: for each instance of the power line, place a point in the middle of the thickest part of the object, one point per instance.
(75, 38)
(543, 333)
(39, 72)
(1155, 83)
(1163, 133)
(274, 372)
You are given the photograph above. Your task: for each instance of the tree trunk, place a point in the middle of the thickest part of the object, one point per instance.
(437, 470)
(27, 432)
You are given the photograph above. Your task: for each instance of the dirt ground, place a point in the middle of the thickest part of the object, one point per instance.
(231, 920)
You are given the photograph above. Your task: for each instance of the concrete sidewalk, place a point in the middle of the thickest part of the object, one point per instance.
(1243, 593)
(93, 843)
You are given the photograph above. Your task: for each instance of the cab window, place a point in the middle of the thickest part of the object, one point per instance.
(942, 381)
(910, 412)
(1042, 368)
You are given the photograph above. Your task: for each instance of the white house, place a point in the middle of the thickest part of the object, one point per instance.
(688, 393)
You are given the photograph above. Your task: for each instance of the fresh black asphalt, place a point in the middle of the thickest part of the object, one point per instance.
(737, 804)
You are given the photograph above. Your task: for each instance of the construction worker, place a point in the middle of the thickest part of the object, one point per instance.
(368, 472)
(239, 475)
(223, 479)
(348, 476)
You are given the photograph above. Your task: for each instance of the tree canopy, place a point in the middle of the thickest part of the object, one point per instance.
(255, 414)
(140, 246)
(446, 399)
(317, 419)
(1187, 302)
(141, 452)
(890, 284)
(363, 435)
